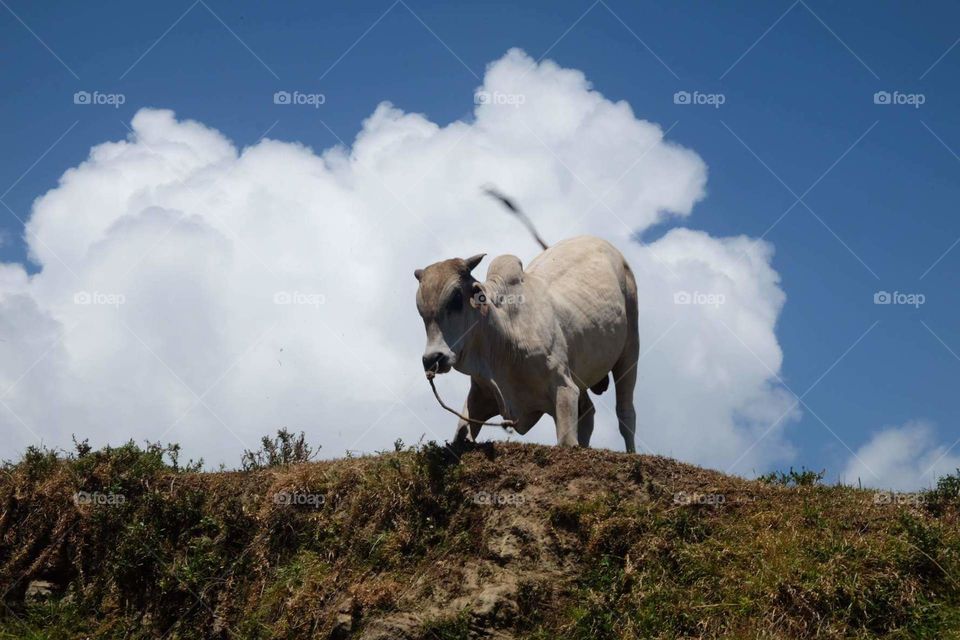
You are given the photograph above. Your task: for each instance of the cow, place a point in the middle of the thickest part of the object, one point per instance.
(534, 340)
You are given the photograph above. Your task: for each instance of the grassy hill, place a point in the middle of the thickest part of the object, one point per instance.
(514, 541)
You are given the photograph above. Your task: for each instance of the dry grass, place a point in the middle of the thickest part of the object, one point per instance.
(517, 541)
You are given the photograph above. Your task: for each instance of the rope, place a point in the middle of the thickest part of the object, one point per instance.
(504, 423)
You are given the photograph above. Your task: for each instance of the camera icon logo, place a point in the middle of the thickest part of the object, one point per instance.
(81, 97)
(881, 97)
(481, 97)
(82, 297)
(682, 297)
(882, 297)
(281, 97)
(681, 97)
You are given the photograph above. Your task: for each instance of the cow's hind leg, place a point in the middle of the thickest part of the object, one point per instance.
(585, 420)
(625, 379)
(625, 369)
(480, 405)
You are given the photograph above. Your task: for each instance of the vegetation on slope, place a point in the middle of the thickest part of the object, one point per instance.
(513, 541)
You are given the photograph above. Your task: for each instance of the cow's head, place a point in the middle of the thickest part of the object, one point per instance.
(445, 300)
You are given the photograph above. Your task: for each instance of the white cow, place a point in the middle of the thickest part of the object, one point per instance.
(534, 340)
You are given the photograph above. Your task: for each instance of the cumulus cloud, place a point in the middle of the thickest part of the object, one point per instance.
(902, 458)
(195, 292)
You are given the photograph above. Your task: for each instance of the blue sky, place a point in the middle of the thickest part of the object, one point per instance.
(878, 183)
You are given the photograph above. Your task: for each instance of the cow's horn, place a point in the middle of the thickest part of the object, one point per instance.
(473, 261)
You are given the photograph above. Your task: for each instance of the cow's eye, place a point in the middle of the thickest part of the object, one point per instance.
(455, 303)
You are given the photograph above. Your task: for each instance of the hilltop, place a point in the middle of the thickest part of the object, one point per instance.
(512, 541)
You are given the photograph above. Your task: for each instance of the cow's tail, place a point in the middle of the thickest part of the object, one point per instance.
(515, 210)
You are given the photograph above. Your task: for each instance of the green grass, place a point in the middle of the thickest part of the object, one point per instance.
(603, 545)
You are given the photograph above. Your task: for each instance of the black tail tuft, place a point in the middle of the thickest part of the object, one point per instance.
(507, 202)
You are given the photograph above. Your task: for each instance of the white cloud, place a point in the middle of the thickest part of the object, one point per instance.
(181, 243)
(902, 458)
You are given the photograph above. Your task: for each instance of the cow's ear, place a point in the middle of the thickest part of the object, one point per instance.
(473, 261)
(479, 299)
(418, 274)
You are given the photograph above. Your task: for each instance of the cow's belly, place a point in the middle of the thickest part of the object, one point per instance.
(593, 322)
(591, 354)
(585, 356)
(585, 280)
(526, 388)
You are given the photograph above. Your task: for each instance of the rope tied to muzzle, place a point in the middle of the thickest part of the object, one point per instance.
(431, 375)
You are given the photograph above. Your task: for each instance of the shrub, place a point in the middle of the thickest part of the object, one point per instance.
(286, 448)
(946, 494)
(793, 478)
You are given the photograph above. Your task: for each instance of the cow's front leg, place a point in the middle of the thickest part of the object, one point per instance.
(480, 405)
(566, 414)
(586, 412)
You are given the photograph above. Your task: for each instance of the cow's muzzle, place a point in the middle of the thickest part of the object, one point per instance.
(437, 362)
